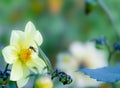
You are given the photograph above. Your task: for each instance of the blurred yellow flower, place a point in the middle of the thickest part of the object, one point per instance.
(44, 82)
(55, 6)
(23, 53)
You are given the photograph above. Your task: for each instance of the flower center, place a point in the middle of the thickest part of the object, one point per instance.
(25, 55)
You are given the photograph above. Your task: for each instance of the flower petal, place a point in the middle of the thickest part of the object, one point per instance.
(17, 71)
(10, 54)
(23, 81)
(30, 28)
(37, 63)
(38, 38)
(32, 36)
(16, 38)
(30, 31)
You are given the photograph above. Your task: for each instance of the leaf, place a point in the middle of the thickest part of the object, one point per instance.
(105, 74)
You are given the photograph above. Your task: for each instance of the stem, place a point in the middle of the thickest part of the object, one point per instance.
(112, 21)
(6, 68)
(16, 84)
(46, 60)
(109, 50)
(110, 56)
(108, 47)
(3, 86)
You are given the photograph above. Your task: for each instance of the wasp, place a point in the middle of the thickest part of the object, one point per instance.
(32, 48)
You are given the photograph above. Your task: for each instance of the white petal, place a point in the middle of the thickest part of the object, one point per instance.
(37, 63)
(23, 81)
(16, 38)
(77, 49)
(10, 54)
(30, 27)
(38, 38)
(17, 71)
(32, 36)
(30, 30)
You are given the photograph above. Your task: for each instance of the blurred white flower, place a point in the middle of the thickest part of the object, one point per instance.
(66, 62)
(88, 54)
(81, 55)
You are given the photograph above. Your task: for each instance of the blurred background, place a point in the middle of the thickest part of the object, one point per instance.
(61, 22)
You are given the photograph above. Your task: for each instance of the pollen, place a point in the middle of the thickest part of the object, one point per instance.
(25, 55)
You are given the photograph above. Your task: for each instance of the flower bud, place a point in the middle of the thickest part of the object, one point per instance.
(90, 6)
(100, 42)
(43, 82)
(117, 46)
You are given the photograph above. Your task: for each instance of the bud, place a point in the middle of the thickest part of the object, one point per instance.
(43, 82)
(6, 75)
(55, 73)
(117, 46)
(100, 42)
(90, 6)
(63, 77)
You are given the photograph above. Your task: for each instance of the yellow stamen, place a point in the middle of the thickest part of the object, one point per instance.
(25, 55)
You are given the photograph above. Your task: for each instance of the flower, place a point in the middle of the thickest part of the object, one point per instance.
(22, 53)
(43, 82)
(66, 62)
(81, 55)
(88, 54)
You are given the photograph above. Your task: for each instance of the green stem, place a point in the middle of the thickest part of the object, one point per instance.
(46, 60)
(107, 44)
(110, 56)
(16, 84)
(6, 68)
(112, 21)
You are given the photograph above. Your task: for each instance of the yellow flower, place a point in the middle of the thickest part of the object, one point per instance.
(23, 53)
(44, 82)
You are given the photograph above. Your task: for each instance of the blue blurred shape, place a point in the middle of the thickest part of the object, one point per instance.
(105, 74)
